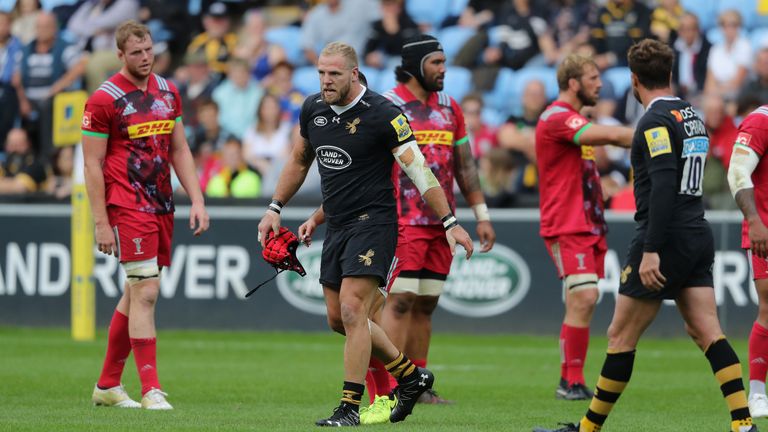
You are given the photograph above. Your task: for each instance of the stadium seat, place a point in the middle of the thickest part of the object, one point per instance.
(747, 9)
(500, 97)
(372, 75)
(620, 79)
(547, 75)
(386, 81)
(288, 37)
(493, 117)
(453, 38)
(431, 12)
(7, 5)
(306, 80)
(759, 38)
(458, 82)
(458, 6)
(706, 10)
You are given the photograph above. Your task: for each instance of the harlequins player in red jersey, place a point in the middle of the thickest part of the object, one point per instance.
(132, 135)
(571, 203)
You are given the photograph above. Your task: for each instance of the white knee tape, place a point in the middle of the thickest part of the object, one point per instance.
(405, 285)
(580, 282)
(431, 287)
(139, 271)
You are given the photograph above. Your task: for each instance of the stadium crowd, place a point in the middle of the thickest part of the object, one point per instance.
(244, 67)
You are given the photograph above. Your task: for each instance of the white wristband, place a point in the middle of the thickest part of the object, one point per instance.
(481, 212)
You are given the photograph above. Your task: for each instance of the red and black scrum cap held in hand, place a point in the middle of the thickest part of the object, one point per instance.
(280, 252)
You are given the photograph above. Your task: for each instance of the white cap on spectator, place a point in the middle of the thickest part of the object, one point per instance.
(217, 9)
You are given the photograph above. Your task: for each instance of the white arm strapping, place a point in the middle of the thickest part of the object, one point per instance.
(744, 160)
(412, 161)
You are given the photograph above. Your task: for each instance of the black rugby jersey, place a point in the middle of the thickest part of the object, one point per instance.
(669, 150)
(353, 147)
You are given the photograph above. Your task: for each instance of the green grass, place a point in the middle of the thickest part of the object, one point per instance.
(227, 381)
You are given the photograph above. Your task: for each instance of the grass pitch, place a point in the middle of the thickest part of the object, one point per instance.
(247, 381)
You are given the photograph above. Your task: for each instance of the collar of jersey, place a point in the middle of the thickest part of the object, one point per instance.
(666, 98)
(338, 109)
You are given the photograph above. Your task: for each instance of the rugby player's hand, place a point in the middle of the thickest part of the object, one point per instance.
(105, 239)
(270, 221)
(306, 230)
(758, 238)
(650, 272)
(457, 234)
(198, 219)
(486, 234)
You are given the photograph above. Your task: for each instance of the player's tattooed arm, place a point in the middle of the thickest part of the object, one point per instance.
(307, 154)
(466, 171)
(745, 199)
(295, 171)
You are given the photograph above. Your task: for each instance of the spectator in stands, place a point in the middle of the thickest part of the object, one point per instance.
(720, 127)
(254, 46)
(388, 34)
(208, 131)
(665, 19)
(22, 171)
(758, 85)
(235, 179)
(217, 42)
(60, 184)
(237, 97)
(566, 31)
(280, 84)
(49, 65)
(24, 19)
(347, 21)
(729, 60)
(10, 56)
(196, 84)
(519, 31)
(94, 23)
(172, 18)
(618, 25)
(691, 55)
(479, 15)
(519, 131)
(269, 138)
(498, 172)
(482, 136)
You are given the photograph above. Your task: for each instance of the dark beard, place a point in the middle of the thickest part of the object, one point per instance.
(585, 99)
(432, 86)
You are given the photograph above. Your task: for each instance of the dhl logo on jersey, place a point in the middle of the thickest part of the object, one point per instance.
(437, 137)
(159, 127)
(588, 152)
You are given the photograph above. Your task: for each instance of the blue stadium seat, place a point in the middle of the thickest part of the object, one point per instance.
(453, 38)
(706, 10)
(288, 37)
(386, 81)
(501, 95)
(747, 9)
(431, 12)
(458, 82)
(306, 80)
(371, 74)
(50, 4)
(493, 117)
(7, 5)
(547, 75)
(759, 38)
(620, 79)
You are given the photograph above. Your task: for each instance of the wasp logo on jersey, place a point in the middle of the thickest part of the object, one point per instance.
(625, 273)
(352, 126)
(658, 141)
(400, 124)
(366, 259)
(159, 127)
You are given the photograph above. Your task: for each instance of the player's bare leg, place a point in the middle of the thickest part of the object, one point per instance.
(758, 354)
(109, 391)
(699, 310)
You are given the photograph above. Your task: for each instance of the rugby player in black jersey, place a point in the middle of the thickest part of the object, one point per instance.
(672, 255)
(356, 135)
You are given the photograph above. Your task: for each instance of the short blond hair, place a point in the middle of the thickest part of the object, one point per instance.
(342, 49)
(572, 67)
(128, 29)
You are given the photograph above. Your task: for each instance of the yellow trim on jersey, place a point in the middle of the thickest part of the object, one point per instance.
(436, 137)
(588, 152)
(658, 141)
(158, 127)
